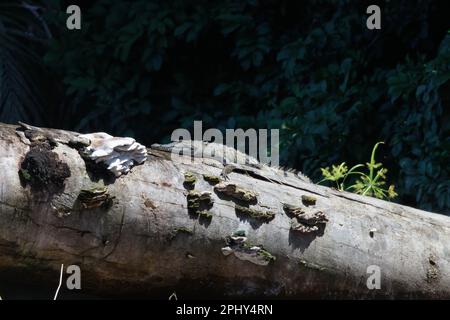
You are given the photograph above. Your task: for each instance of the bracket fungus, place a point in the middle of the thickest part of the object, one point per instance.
(305, 220)
(255, 214)
(236, 192)
(199, 201)
(245, 251)
(309, 222)
(95, 198)
(118, 154)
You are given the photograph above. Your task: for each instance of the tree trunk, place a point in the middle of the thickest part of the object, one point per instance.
(145, 235)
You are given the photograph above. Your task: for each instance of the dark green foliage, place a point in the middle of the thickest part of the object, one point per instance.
(23, 34)
(419, 130)
(144, 68)
(367, 180)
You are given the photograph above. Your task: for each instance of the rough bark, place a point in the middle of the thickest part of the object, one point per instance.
(144, 240)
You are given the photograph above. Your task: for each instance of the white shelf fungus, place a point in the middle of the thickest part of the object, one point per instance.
(118, 154)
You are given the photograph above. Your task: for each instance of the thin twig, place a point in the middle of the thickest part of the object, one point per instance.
(60, 282)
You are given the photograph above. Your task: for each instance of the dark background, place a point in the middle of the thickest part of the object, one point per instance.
(310, 68)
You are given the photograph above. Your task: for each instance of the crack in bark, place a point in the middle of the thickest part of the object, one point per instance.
(359, 201)
(82, 232)
(116, 243)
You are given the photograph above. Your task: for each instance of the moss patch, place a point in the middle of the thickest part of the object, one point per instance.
(310, 265)
(308, 200)
(183, 230)
(42, 169)
(189, 180)
(24, 175)
(213, 180)
(266, 255)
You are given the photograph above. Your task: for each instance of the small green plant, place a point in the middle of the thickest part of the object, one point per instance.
(370, 184)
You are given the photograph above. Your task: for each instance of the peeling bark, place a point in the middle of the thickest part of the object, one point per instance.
(147, 241)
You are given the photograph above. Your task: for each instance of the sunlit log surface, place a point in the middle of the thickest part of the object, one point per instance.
(136, 237)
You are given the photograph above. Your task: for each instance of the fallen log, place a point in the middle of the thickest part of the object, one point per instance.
(171, 225)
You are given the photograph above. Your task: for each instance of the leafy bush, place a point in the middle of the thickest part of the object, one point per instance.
(370, 184)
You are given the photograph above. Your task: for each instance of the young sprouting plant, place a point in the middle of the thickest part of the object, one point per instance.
(370, 184)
